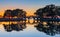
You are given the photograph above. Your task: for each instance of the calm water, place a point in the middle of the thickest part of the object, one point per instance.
(29, 31)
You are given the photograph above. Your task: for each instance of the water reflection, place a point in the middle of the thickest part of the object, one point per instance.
(51, 28)
(16, 27)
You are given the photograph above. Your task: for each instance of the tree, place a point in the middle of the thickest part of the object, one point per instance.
(49, 10)
(18, 13)
(7, 13)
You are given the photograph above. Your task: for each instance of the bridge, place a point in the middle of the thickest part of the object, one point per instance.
(37, 19)
(24, 19)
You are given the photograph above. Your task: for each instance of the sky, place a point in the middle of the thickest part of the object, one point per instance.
(30, 6)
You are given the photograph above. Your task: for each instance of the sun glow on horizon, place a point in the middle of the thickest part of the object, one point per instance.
(29, 12)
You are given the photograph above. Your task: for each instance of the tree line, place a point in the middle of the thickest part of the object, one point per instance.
(48, 10)
(15, 12)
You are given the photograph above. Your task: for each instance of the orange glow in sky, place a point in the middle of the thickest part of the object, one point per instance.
(29, 12)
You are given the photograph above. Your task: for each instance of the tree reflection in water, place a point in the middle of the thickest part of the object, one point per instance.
(16, 27)
(49, 29)
(49, 11)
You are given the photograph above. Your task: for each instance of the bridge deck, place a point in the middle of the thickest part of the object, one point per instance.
(24, 19)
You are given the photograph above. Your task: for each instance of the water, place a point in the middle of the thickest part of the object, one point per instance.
(29, 31)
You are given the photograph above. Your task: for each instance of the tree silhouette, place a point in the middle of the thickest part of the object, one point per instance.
(7, 13)
(19, 13)
(49, 10)
(16, 12)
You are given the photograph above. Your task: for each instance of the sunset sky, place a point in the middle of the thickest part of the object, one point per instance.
(30, 6)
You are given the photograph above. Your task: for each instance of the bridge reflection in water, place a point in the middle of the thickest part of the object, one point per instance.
(48, 26)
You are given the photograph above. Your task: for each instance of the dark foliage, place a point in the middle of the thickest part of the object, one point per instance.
(16, 12)
(50, 29)
(49, 10)
(16, 27)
